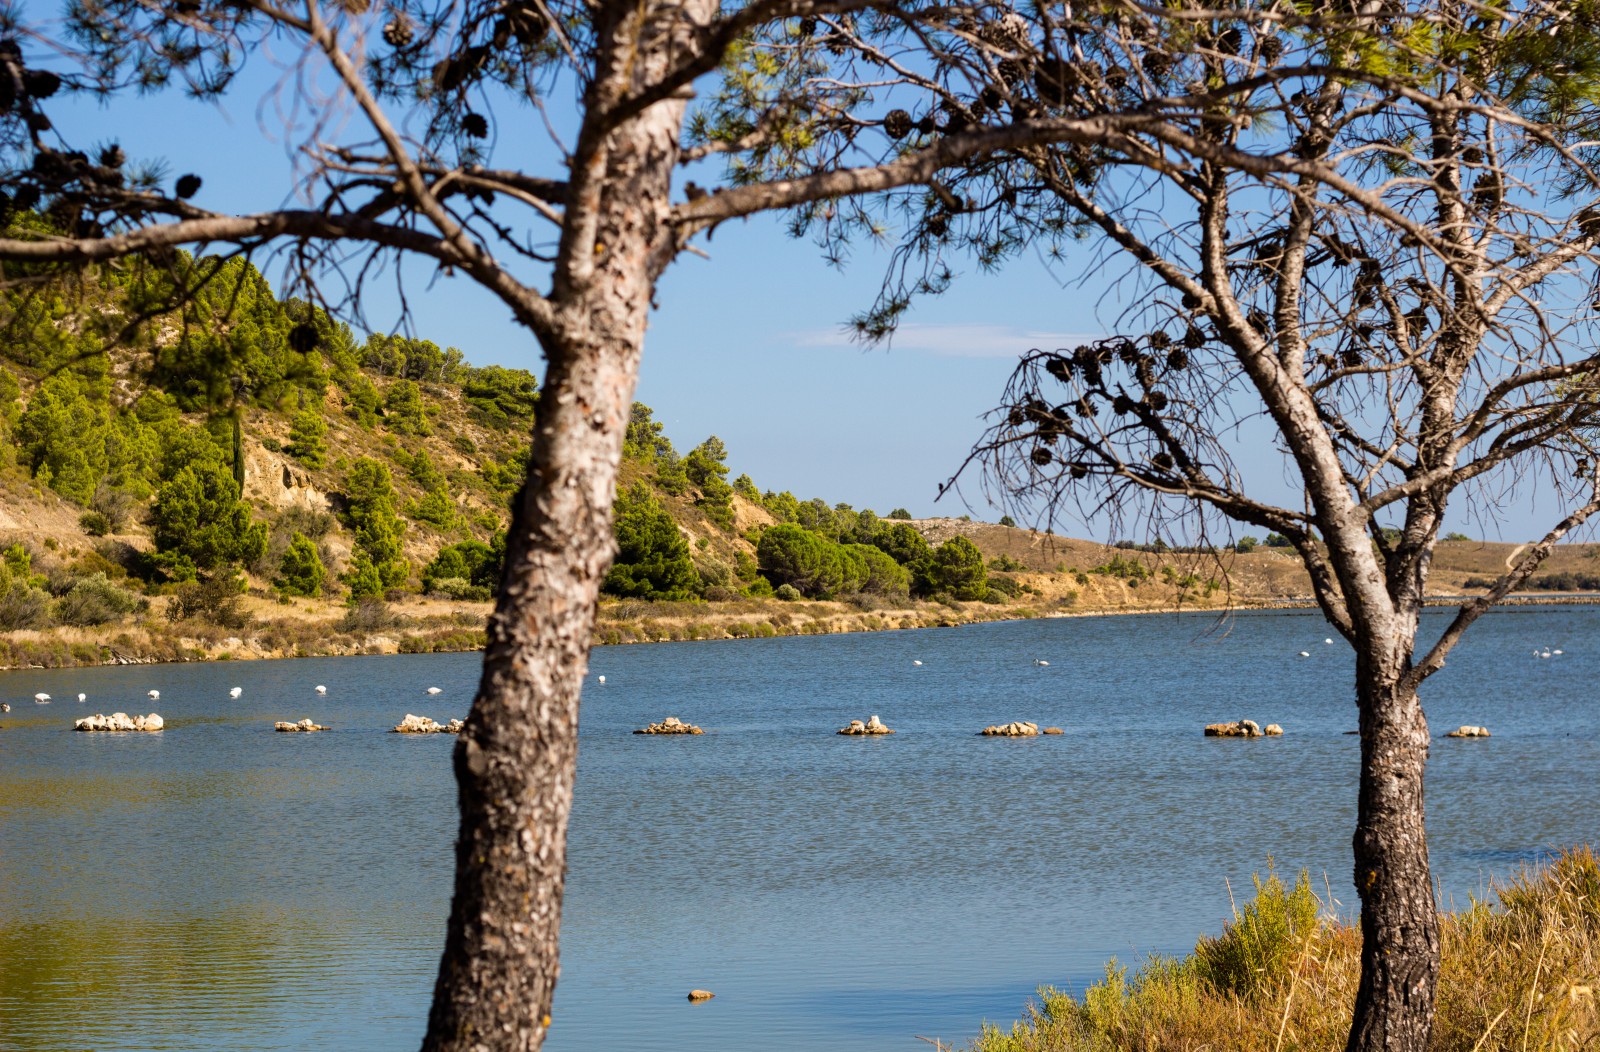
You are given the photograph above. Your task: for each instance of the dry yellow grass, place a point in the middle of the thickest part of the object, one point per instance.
(1520, 975)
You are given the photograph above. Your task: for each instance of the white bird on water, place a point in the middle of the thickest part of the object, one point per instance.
(602, 681)
(42, 698)
(1555, 651)
(82, 698)
(153, 695)
(1041, 664)
(1305, 653)
(5, 706)
(321, 689)
(917, 663)
(235, 692)
(1328, 641)
(433, 690)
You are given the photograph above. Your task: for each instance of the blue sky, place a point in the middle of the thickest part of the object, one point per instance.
(748, 345)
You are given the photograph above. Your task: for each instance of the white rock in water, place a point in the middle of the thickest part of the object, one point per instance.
(303, 725)
(424, 725)
(1469, 731)
(119, 721)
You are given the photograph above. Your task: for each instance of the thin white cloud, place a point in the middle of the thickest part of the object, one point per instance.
(955, 341)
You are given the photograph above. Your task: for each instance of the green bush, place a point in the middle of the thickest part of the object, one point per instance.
(787, 592)
(95, 600)
(378, 529)
(1256, 952)
(957, 569)
(200, 523)
(215, 600)
(94, 524)
(301, 572)
(475, 563)
(307, 439)
(459, 588)
(653, 560)
(24, 606)
(899, 513)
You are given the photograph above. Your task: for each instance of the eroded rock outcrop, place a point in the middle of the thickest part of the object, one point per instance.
(872, 726)
(1469, 731)
(670, 725)
(303, 725)
(424, 725)
(1017, 729)
(1242, 729)
(119, 721)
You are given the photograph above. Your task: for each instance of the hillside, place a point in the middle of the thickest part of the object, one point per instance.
(242, 476)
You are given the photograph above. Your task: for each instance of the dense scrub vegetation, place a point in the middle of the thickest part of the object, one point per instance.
(166, 434)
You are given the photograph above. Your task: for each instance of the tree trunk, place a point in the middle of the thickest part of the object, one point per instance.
(517, 756)
(1399, 920)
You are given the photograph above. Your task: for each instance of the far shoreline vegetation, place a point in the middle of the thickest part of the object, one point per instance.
(245, 478)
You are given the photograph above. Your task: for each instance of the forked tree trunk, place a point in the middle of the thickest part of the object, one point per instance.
(1399, 921)
(517, 756)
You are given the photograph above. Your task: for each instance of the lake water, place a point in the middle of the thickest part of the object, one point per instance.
(218, 885)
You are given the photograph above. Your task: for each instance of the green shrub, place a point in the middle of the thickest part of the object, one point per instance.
(301, 572)
(653, 560)
(787, 592)
(94, 524)
(215, 600)
(95, 600)
(24, 606)
(459, 588)
(1256, 952)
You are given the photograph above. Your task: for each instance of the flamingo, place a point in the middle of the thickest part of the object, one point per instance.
(1305, 653)
(916, 663)
(153, 695)
(433, 690)
(321, 689)
(42, 698)
(235, 692)
(602, 681)
(1041, 664)
(82, 697)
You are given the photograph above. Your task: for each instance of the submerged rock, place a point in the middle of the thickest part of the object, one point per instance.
(303, 725)
(1242, 729)
(872, 726)
(423, 725)
(1018, 729)
(699, 995)
(119, 721)
(1467, 731)
(1052, 730)
(670, 725)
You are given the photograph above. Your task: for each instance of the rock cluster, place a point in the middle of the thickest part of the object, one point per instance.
(872, 726)
(1019, 729)
(303, 725)
(119, 721)
(423, 725)
(1469, 732)
(1242, 729)
(670, 725)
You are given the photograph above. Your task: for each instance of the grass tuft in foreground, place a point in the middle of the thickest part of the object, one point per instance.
(1522, 975)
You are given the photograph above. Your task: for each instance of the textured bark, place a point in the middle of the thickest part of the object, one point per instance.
(1399, 922)
(516, 757)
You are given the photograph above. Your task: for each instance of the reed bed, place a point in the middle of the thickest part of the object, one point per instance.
(1520, 974)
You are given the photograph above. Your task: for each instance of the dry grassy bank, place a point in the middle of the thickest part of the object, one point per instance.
(1520, 974)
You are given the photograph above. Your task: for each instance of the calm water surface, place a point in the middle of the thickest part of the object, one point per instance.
(218, 885)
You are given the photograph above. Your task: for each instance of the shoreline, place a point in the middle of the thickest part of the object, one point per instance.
(619, 623)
